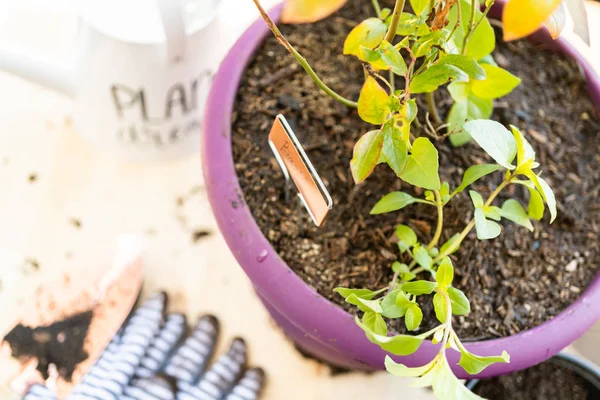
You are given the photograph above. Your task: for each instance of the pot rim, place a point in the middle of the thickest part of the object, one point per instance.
(305, 309)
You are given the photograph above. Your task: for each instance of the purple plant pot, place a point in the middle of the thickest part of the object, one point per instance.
(318, 326)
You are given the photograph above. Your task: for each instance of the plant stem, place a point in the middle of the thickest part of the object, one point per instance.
(392, 81)
(471, 27)
(440, 222)
(301, 60)
(425, 335)
(436, 237)
(377, 8)
(433, 108)
(396, 14)
(458, 21)
(485, 13)
(448, 322)
(471, 224)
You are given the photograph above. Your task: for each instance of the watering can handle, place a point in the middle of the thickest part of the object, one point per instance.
(171, 14)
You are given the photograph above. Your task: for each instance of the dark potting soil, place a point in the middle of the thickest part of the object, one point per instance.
(545, 381)
(514, 282)
(60, 343)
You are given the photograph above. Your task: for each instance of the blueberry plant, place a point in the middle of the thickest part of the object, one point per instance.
(439, 45)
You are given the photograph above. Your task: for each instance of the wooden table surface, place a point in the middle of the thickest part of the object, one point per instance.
(64, 205)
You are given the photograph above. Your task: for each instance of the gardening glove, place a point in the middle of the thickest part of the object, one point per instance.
(153, 357)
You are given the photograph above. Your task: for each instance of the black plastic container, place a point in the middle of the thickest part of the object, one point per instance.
(581, 367)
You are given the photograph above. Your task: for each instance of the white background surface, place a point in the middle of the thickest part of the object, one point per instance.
(164, 203)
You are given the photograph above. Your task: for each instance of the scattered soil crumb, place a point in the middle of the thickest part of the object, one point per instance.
(30, 265)
(32, 178)
(198, 235)
(76, 222)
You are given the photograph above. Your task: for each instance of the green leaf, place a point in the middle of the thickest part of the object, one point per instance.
(476, 199)
(445, 273)
(465, 110)
(403, 371)
(400, 345)
(498, 83)
(375, 322)
(413, 317)
(393, 202)
(403, 301)
(373, 57)
(546, 192)
(410, 109)
(422, 257)
(489, 59)
(422, 165)
(459, 302)
(395, 150)
(495, 139)
(483, 39)
(459, 91)
(406, 235)
(493, 212)
(399, 268)
(445, 384)
(419, 287)
(368, 33)
(403, 271)
(434, 252)
(474, 173)
(475, 364)
(445, 192)
(385, 12)
(411, 25)
(535, 209)
(366, 154)
(513, 211)
(435, 76)
(392, 58)
(362, 293)
(364, 305)
(486, 229)
(419, 6)
(423, 45)
(446, 246)
(439, 306)
(468, 65)
(390, 307)
(373, 102)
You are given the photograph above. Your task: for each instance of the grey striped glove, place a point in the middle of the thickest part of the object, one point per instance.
(154, 357)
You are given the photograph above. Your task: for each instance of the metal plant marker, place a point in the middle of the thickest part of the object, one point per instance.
(297, 168)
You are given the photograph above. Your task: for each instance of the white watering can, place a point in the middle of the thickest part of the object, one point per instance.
(139, 77)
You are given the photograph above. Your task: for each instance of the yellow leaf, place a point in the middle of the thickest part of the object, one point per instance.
(557, 21)
(368, 33)
(307, 11)
(373, 102)
(523, 17)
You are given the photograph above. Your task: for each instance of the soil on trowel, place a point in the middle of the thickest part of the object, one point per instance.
(60, 343)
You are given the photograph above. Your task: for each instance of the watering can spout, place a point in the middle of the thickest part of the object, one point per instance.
(38, 69)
